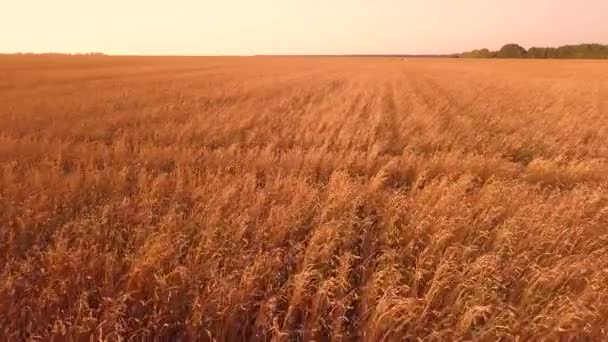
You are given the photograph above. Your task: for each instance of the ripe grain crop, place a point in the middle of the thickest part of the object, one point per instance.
(227, 199)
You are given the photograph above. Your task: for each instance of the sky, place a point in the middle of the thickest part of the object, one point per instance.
(246, 27)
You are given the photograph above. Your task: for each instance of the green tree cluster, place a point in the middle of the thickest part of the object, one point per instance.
(582, 51)
(482, 53)
(511, 51)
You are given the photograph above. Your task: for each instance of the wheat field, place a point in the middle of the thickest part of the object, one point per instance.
(299, 199)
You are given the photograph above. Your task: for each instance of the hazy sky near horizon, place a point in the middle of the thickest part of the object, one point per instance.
(245, 27)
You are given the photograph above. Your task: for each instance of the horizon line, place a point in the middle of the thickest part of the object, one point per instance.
(411, 55)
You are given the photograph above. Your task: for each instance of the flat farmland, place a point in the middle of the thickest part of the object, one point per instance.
(298, 199)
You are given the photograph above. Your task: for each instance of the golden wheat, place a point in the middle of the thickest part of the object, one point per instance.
(153, 198)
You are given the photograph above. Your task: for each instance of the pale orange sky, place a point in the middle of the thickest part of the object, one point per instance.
(245, 27)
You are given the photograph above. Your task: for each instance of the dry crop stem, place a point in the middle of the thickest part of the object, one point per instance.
(303, 199)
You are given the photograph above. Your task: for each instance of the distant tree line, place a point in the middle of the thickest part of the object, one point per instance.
(582, 51)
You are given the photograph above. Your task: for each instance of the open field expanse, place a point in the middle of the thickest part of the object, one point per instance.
(303, 199)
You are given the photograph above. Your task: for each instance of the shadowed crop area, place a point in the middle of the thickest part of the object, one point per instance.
(299, 199)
